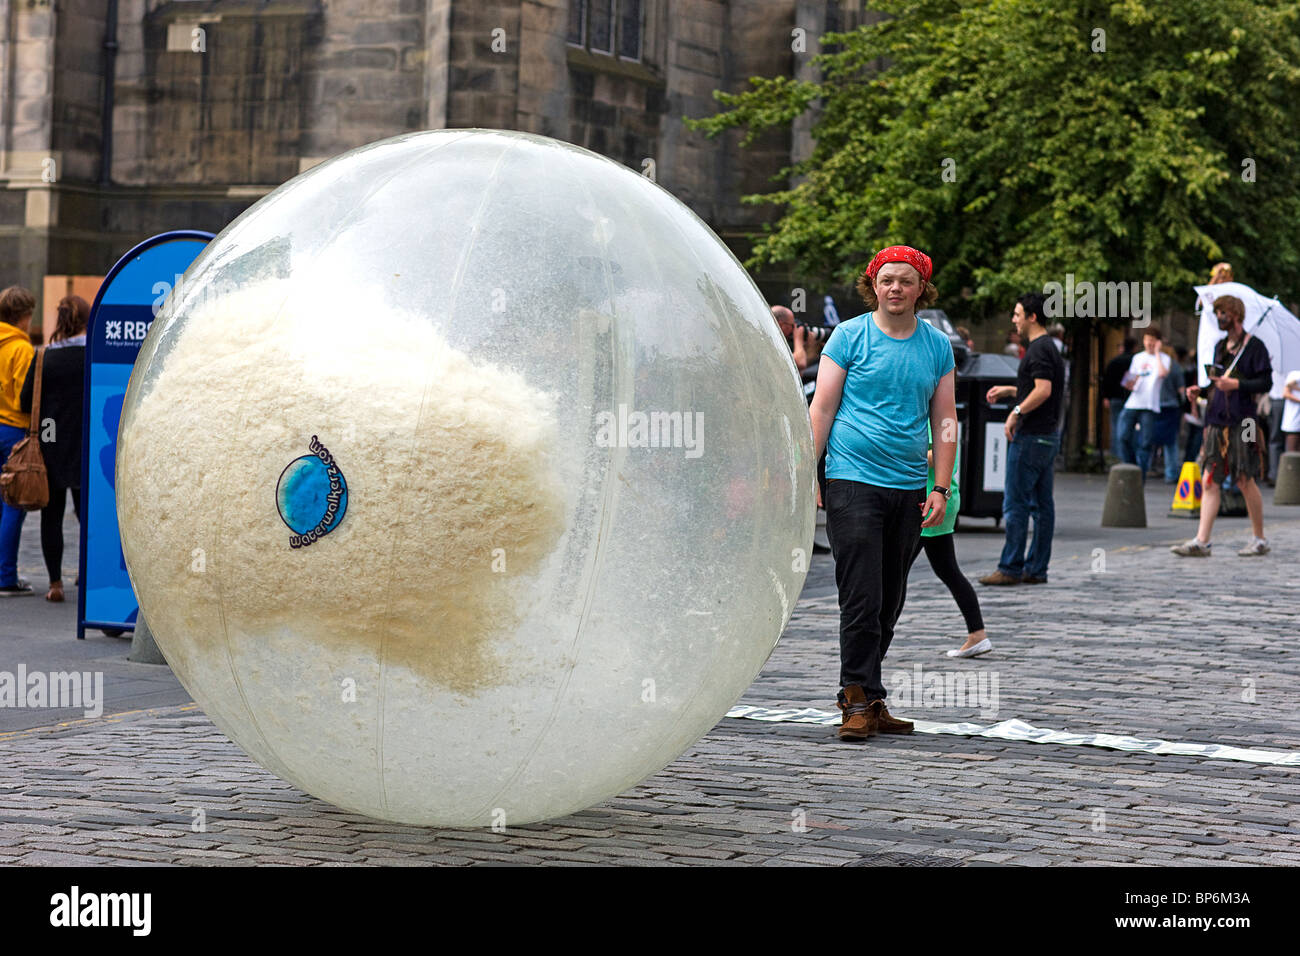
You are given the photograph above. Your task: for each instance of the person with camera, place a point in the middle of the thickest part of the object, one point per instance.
(1234, 442)
(884, 377)
(804, 341)
(795, 336)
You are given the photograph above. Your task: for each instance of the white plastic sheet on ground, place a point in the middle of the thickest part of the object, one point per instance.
(1019, 730)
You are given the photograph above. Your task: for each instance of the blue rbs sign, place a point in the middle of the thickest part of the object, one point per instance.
(130, 297)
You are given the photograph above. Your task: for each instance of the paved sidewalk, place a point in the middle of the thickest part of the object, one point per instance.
(43, 636)
(1139, 648)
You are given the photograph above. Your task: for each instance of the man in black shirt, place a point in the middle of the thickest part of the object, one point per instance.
(1032, 435)
(1113, 392)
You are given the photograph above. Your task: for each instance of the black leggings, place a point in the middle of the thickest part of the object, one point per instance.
(943, 560)
(52, 528)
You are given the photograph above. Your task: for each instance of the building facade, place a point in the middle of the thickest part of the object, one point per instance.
(123, 118)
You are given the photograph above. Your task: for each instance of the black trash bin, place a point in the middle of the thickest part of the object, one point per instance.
(982, 443)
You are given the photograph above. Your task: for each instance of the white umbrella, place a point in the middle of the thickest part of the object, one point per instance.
(1279, 330)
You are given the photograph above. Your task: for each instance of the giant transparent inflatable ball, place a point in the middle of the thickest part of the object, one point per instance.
(466, 479)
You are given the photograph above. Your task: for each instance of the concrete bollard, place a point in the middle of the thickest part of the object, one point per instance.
(1287, 490)
(143, 648)
(1126, 506)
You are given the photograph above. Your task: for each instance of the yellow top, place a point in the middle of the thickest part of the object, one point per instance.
(15, 358)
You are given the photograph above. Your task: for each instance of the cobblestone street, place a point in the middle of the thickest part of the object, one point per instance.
(1125, 639)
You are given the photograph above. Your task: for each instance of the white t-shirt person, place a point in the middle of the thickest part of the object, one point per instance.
(1291, 408)
(1146, 376)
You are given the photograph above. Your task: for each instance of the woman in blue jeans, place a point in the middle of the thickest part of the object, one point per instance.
(16, 307)
(11, 525)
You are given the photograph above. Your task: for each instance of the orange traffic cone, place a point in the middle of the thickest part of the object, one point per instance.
(1187, 496)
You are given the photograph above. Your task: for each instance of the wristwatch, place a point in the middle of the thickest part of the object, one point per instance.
(1016, 410)
(947, 494)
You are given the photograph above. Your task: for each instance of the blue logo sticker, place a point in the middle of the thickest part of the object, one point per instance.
(312, 495)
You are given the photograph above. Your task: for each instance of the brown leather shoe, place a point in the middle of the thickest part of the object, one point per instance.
(859, 720)
(1030, 579)
(887, 723)
(997, 577)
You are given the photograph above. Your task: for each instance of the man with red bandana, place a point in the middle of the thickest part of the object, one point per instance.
(884, 381)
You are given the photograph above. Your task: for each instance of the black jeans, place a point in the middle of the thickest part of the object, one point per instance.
(52, 528)
(873, 533)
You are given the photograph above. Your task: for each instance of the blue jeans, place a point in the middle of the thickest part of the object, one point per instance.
(1028, 488)
(1116, 406)
(1169, 424)
(11, 519)
(1137, 429)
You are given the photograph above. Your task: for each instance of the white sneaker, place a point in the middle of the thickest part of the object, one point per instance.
(1257, 546)
(983, 647)
(1192, 549)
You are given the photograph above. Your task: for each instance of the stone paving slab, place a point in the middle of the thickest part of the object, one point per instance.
(1141, 648)
(791, 817)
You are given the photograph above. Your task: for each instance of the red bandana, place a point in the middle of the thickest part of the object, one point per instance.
(915, 258)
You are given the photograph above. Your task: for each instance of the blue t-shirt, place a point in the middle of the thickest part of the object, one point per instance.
(880, 433)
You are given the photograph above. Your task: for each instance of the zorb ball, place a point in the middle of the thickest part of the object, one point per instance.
(466, 479)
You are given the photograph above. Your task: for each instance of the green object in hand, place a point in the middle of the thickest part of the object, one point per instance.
(949, 521)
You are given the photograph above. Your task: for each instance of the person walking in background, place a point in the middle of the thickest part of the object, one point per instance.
(830, 314)
(1169, 420)
(941, 551)
(1291, 410)
(1113, 392)
(62, 386)
(1191, 411)
(1234, 443)
(1137, 422)
(16, 307)
(1032, 431)
(1013, 347)
(1271, 411)
(1057, 332)
(883, 376)
(1222, 272)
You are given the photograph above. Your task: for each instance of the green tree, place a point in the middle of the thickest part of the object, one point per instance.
(1101, 139)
